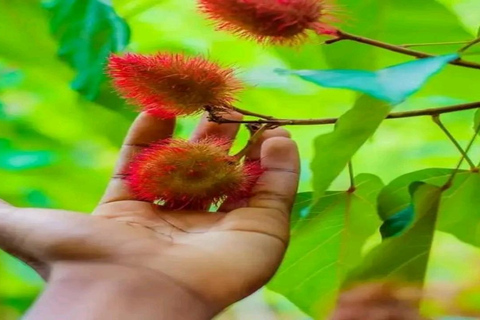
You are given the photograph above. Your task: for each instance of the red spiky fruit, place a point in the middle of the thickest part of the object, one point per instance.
(168, 85)
(283, 22)
(185, 174)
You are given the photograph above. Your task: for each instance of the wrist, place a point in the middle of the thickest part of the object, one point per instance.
(99, 291)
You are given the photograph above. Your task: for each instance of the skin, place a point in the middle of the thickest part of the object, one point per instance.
(132, 260)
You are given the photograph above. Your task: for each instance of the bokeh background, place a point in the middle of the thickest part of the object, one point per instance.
(59, 141)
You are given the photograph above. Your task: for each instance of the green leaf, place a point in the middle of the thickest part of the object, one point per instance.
(88, 32)
(300, 208)
(9, 78)
(334, 150)
(13, 160)
(325, 245)
(458, 211)
(404, 257)
(397, 223)
(393, 84)
(400, 221)
(395, 197)
(477, 120)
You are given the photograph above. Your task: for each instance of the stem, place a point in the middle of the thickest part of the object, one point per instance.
(436, 119)
(325, 121)
(455, 172)
(352, 177)
(427, 44)
(348, 36)
(255, 135)
(468, 46)
(250, 113)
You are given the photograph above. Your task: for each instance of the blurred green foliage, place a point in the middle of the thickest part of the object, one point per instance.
(58, 145)
(325, 246)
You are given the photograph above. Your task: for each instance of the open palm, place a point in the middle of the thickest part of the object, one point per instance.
(221, 257)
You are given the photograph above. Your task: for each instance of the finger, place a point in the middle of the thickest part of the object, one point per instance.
(253, 154)
(224, 131)
(268, 209)
(144, 131)
(277, 186)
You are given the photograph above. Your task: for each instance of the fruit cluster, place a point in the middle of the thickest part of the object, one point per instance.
(182, 174)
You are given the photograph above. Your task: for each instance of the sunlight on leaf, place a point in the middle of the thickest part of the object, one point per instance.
(334, 150)
(393, 84)
(326, 244)
(460, 210)
(129, 9)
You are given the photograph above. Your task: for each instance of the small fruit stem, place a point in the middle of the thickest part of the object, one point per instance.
(469, 45)
(295, 122)
(351, 173)
(399, 49)
(436, 119)
(431, 44)
(255, 134)
(250, 113)
(457, 169)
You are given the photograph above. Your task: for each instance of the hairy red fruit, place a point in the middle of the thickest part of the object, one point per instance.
(283, 22)
(168, 85)
(379, 301)
(185, 174)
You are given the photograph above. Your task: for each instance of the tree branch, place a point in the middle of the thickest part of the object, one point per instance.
(214, 117)
(468, 46)
(419, 54)
(429, 44)
(438, 121)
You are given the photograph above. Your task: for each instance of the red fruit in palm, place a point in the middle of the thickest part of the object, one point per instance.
(185, 174)
(168, 85)
(271, 21)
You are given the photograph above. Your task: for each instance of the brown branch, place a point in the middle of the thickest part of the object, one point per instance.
(250, 113)
(396, 115)
(468, 46)
(457, 169)
(431, 44)
(439, 123)
(419, 54)
(255, 134)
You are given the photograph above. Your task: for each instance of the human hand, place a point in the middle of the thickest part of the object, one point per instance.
(207, 260)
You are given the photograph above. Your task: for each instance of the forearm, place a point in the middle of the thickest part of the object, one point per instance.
(94, 291)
